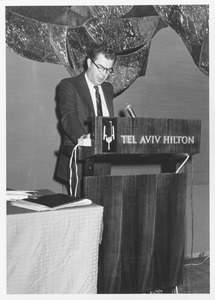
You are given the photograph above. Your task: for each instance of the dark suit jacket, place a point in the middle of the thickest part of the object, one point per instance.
(75, 106)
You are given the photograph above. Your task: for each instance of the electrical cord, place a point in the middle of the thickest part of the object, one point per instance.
(192, 221)
(184, 162)
(73, 155)
(82, 141)
(191, 264)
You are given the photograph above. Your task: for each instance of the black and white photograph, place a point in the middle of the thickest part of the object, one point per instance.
(107, 154)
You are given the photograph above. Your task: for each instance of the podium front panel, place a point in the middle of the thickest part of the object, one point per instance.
(144, 231)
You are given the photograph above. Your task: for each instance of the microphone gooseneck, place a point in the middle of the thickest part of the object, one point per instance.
(130, 110)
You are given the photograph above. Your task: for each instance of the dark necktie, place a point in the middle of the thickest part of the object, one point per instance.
(98, 102)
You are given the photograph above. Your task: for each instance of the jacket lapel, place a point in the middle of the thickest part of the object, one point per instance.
(85, 94)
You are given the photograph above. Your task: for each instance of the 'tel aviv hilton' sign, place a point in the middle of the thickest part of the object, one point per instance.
(124, 135)
(157, 139)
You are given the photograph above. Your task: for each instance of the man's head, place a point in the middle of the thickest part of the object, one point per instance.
(100, 61)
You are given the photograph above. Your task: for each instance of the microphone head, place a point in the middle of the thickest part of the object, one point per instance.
(127, 106)
(130, 110)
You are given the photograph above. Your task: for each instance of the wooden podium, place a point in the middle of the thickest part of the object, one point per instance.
(144, 215)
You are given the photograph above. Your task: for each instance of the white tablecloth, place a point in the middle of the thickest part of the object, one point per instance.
(53, 252)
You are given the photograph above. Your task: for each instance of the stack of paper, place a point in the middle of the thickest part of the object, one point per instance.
(18, 195)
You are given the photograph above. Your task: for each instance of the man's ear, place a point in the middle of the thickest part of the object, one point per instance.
(89, 62)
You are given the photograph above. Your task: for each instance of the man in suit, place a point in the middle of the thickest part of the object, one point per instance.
(78, 99)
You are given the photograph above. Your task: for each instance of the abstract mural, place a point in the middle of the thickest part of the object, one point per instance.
(62, 34)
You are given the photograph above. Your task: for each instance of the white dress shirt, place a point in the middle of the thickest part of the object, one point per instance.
(105, 111)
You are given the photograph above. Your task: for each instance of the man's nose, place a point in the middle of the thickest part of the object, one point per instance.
(103, 74)
(104, 71)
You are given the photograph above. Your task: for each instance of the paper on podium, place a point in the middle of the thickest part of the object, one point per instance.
(51, 202)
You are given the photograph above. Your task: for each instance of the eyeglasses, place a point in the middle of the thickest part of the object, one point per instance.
(103, 69)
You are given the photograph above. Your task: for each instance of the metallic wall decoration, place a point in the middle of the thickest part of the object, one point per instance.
(191, 23)
(62, 35)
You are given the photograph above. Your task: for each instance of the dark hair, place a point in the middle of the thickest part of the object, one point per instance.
(93, 52)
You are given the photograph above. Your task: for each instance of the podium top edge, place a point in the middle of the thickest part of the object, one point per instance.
(143, 118)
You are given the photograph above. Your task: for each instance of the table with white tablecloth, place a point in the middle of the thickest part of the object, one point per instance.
(53, 252)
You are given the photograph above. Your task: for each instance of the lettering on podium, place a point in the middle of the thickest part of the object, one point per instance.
(157, 139)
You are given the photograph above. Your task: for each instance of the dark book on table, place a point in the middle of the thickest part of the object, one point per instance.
(50, 202)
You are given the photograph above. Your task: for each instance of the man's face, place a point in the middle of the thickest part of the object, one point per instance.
(96, 76)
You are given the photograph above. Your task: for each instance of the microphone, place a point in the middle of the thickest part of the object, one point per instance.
(130, 110)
